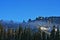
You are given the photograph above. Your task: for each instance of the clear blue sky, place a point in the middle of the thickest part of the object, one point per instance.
(19, 10)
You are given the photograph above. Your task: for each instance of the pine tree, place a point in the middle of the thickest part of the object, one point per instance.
(20, 32)
(9, 34)
(43, 36)
(29, 34)
(1, 31)
(40, 34)
(57, 37)
(16, 33)
(52, 36)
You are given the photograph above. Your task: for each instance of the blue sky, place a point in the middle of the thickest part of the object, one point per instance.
(18, 10)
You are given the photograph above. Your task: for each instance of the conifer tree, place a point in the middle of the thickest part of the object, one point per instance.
(52, 36)
(1, 31)
(43, 36)
(20, 32)
(57, 37)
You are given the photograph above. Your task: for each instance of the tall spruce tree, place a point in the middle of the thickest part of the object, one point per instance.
(57, 37)
(43, 36)
(20, 32)
(1, 32)
(52, 35)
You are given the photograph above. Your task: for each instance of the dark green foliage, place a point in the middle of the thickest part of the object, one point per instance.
(52, 36)
(28, 34)
(57, 37)
(1, 32)
(43, 36)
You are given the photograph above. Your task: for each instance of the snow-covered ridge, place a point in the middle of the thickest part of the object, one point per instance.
(47, 22)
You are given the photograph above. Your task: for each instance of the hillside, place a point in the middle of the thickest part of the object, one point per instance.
(38, 22)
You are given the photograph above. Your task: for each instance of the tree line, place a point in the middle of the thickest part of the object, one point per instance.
(28, 34)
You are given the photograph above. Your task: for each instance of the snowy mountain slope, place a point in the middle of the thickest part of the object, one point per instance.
(33, 24)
